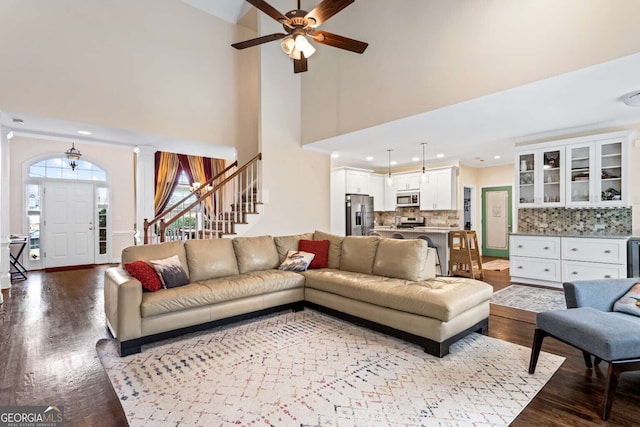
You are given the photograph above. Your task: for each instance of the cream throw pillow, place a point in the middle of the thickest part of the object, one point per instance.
(296, 261)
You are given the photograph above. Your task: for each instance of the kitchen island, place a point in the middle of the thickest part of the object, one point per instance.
(438, 235)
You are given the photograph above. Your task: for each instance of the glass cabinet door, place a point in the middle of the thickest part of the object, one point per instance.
(611, 173)
(579, 174)
(552, 177)
(526, 179)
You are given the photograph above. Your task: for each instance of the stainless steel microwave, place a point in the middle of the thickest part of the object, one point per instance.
(408, 199)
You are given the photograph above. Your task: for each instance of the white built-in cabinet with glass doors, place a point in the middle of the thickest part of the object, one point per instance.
(580, 172)
(596, 173)
(540, 177)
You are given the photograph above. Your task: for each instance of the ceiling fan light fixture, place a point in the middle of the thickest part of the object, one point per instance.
(295, 54)
(288, 45)
(303, 45)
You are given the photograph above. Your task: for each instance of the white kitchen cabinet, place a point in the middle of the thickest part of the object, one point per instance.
(407, 181)
(535, 259)
(384, 196)
(591, 171)
(540, 177)
(345, 181)
(597, 173)
(535, 246)
(597, 258)
(358, 181)
(438, 191)
(377, 191)
(552, 260)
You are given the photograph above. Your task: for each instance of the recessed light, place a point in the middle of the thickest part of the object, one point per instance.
(369, 158)
(84, 132)
(18, 121)
(439, 155)
(632, 100)
(496, 157)
(415, 159)
(335, 155)
(393, 162)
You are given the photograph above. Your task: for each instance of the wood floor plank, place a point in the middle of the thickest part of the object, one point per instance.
(50, 323)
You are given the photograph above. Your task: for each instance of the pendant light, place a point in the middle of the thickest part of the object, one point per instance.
(73, 154)
(423, 177)
(389, 180)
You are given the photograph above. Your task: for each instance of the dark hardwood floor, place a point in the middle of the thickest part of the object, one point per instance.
(50, 323)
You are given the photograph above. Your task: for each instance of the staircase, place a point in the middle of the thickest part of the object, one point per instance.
(227, 205)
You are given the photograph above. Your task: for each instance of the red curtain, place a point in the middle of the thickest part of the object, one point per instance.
(168, 167)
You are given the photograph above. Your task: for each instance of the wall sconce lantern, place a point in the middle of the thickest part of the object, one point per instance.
(73, 154)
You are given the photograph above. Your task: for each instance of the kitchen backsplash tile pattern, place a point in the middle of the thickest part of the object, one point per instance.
(586, 221)
(431, 218)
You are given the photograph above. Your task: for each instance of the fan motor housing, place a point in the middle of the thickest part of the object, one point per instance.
(297, 18)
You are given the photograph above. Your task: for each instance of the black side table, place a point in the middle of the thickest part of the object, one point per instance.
(17, 271)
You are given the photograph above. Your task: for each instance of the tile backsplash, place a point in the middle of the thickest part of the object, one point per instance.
(586, 221)
(431, 218)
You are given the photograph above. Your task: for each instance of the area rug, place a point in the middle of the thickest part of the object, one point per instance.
(496, 265)
(309, 369)
(530, 298)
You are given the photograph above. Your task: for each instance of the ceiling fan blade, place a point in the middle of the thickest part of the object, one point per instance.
(269, 10)
(255, 42)
(326, 10)
(340, 42)
(300, 65)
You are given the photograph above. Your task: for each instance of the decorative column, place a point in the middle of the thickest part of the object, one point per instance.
(145, 188)
(5, 277)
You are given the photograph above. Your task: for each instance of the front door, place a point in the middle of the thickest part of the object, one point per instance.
(496, 221)
(69, 236)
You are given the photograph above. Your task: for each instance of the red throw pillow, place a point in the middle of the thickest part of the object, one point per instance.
(145, 274)
(320, 248)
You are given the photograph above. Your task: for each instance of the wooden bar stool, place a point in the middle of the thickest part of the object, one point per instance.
(464, 255)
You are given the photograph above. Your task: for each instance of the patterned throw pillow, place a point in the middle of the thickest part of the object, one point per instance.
(145, 274)
(320, 248)
(170, 271)
(296, 261)
(630, 302)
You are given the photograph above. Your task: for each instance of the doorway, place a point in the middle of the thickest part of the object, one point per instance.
(496, 221)
(469, 207)
(68, 223)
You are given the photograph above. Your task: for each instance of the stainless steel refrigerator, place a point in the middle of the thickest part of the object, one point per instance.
(360, 215)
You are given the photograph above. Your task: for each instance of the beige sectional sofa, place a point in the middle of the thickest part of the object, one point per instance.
(385, 284)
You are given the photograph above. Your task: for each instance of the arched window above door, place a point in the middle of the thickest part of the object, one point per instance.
(58, 168)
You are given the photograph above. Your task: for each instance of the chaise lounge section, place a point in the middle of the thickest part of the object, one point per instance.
(384, 284)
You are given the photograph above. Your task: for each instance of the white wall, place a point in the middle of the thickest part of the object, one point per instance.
(154, 66)
(117, 162)
(296, 182)
(426, 54)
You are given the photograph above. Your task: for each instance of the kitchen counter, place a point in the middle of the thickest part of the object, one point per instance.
(438, 235)
(602, 235)
(418, 230)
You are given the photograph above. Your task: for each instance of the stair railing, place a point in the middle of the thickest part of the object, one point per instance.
(216, 209)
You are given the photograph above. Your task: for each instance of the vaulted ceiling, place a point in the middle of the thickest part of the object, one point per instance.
(550, 69)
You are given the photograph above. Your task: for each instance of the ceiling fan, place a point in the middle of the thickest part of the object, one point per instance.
(300, 24)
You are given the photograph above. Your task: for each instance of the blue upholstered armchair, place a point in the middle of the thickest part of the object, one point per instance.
(598, 294)
(590, 324)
